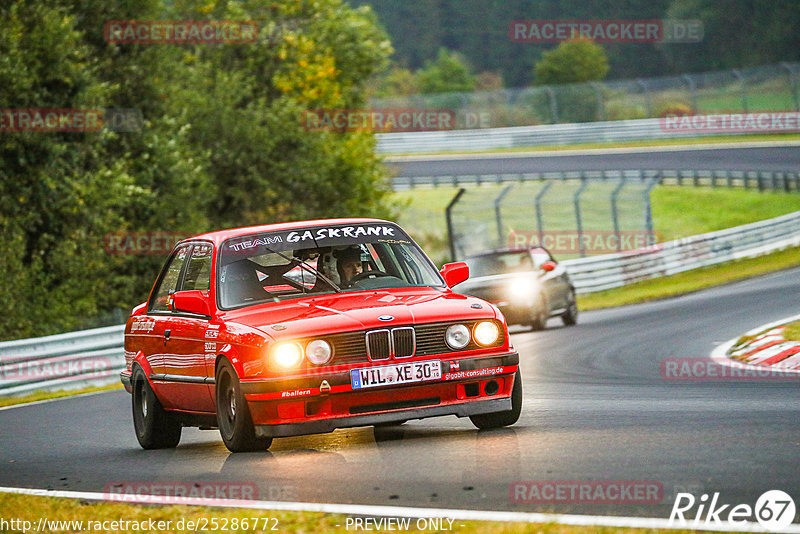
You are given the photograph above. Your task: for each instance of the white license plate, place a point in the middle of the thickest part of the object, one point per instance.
(390, 375)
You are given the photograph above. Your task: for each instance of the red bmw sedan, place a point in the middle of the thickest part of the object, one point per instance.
(305, 327)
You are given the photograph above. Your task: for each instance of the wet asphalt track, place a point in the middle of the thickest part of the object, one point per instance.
(771, 158)
(595, 408)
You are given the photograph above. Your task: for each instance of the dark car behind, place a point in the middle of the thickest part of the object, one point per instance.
(528, 285)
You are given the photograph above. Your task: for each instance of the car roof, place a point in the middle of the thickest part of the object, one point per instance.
(219, 236)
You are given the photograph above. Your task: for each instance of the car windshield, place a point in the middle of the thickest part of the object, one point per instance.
(499, 263)
(320, 259)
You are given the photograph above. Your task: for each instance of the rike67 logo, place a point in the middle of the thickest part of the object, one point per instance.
(774, 511)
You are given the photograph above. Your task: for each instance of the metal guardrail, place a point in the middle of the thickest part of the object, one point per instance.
(71, 360)
(788, 181)
(531, 136)
(615, 270)
(96, 356)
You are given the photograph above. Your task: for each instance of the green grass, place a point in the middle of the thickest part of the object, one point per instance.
(678, 211)
(681, 211)
(689, 281)
(30, 508)
(46, 395)
(792, 331)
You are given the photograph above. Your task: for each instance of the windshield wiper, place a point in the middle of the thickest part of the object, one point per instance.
(303, 265)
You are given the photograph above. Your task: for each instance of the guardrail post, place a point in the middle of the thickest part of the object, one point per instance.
(553, 104)
(648, 213)
(615, 211)
(498, 216)
(648, 104)
(538, 206)
(692, 91)
(738, 74)
(793, 83)
(576, 199)
(449, 217)
(601, 106)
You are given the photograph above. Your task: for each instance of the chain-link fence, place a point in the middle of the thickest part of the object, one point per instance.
(572, 216)
(765, 88)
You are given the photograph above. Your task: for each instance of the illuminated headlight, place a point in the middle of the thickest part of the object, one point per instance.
(486, 333)
(457, 336)
(284, 356)
(318, 351)
(521, 288)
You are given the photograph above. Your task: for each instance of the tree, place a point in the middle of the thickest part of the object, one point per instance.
(221, 143)
(449, 73)
(573, 61)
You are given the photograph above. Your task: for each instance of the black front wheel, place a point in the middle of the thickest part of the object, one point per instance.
(501, 419)
(539, 314)
(233, 415)
(570, 317)
(155, 427)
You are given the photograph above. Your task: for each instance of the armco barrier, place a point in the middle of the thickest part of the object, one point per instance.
(541, 135)
(73, 359)
(96, 356)
(615, 270)
(525, 136)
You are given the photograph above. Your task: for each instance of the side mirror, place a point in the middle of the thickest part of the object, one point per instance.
(455, 273)
(191, 301)
(548, 266)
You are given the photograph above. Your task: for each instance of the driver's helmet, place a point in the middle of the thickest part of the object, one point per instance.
(345, 255)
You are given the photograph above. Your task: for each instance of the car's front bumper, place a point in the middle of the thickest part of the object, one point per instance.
(322, 403)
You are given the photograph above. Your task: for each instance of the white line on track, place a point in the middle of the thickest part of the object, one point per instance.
(590, 151)
(401, 511)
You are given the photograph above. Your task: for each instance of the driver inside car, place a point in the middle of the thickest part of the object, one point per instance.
(348, 263)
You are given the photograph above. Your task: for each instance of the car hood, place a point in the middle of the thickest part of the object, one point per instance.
(361, 310)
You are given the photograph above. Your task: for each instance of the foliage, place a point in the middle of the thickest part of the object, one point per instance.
(221, 143)
(573, 61)
(738, 33)
(449, 73)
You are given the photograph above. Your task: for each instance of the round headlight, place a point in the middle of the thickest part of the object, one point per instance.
(318, 351)
(457, 336)
(521, 287)
(284, 356)
(486, 333)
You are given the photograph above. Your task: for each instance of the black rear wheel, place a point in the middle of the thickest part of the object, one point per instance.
(155, 428)
(501, 419)
(233, 415)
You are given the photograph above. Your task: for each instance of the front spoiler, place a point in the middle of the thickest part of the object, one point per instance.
(253, 388)
(329, 425)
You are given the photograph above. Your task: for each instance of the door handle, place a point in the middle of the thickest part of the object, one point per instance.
(167, 333)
